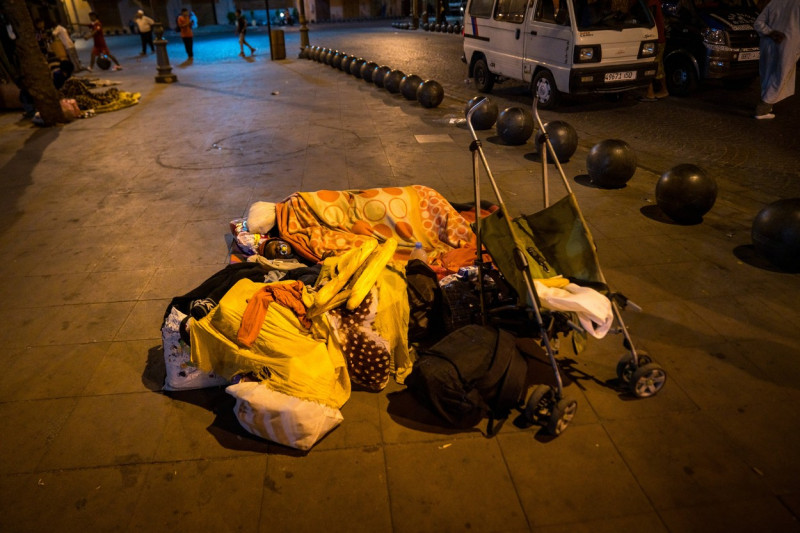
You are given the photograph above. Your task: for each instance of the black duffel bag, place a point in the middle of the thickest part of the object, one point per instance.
(474, 372)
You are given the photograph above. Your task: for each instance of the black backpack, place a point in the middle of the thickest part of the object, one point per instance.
(425, 324)
(474, 372)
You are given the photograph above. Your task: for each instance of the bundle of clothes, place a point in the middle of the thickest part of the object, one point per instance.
(320, 296)
(111, 99)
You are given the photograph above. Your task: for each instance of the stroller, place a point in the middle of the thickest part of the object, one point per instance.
(553, 241)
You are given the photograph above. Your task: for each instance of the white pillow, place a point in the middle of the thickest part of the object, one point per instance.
(261, 217)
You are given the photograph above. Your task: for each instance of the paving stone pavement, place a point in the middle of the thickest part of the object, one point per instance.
(104, 220)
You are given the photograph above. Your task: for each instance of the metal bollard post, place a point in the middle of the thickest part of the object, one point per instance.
(165, 74)
(303, 28)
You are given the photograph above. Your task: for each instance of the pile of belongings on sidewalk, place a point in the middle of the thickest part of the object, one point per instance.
(112, 99)
(320, 296)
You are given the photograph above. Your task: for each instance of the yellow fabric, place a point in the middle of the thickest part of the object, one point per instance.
(58, 49)
(123, 99)
(557, 282)
(309, 365)
(300, 363)
(372, 269)
(342, 269)
(391, 320)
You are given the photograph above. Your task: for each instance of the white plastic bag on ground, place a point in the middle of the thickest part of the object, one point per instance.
(281, 418)
(180, 374)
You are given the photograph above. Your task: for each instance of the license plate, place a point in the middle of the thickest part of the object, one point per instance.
(749, 56)
(621, 76)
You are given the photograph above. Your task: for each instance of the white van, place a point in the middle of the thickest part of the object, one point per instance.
(569, 46)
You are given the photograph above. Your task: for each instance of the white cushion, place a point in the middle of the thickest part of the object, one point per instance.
(261, 217)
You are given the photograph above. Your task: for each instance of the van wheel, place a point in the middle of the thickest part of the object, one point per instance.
(681, 77)
(484, 80)
(544, 86)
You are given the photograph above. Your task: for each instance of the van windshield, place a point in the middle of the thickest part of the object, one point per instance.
(737, 12)
(612, 14)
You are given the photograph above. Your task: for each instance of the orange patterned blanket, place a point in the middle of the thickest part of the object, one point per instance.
(325, 222)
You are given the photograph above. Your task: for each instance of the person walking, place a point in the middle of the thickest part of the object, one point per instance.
(660, 79)
(185, 26)
(241, 30)
(61, 34)
(100, 47)
(145, 25)
(779, 27)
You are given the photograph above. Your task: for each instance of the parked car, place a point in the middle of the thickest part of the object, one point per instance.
(456, 8)
(709, 39)
(561, 46)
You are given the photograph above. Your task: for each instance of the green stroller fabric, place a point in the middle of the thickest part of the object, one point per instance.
(554, 240)
(561, 234)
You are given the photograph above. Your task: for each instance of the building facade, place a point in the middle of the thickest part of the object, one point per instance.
(118, 15)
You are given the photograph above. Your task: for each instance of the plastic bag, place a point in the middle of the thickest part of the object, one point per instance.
(180, 374)
(282, 418)
(70, 108)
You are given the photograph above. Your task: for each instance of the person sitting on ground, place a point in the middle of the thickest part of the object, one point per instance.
(61, 72)
(61, 34)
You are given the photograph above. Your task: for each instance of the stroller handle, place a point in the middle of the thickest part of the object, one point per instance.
(536, 117)
(481, 101)
(548, 146)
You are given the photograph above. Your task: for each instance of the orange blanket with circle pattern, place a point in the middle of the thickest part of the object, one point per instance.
(325, 222)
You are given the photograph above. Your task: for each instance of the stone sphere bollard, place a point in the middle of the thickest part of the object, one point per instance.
(685, 193)
(409, 86)
(430, 94)
(392, 81)
(514, 125)
(776, 233)
(611, 163)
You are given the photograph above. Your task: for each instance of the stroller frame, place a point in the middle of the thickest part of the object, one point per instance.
(544, 404)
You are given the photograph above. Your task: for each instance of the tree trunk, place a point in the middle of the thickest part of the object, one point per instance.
(35, 74)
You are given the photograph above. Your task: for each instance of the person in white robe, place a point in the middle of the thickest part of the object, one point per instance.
(779, 28)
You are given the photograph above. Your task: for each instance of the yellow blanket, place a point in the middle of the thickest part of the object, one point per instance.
(312, 364)
(294, 360)
(368, 314)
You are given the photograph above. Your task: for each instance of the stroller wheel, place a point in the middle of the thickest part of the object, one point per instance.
(647, 380)
(537, 408)
(563, 413)
(626, 368)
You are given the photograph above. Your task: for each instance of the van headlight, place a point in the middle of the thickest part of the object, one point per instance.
(715, 36)
(647, 49)
(587, 54)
